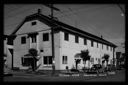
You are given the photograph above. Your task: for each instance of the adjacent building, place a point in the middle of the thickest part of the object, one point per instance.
(35, 32)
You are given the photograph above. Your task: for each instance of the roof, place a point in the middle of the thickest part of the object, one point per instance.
(57, 25)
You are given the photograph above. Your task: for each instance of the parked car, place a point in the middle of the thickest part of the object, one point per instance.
(96, 67)
(110, 67)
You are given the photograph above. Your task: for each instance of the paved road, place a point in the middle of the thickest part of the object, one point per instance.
(118, 77)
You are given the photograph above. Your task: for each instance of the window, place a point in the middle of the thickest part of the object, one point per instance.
(48, 60)
(23, 40)
(111, 48)
(97, 44)
(66, 36)
(33, 23)
(64, 59)
(33, 39)
(91, 43)
(107, 47)
(99, 60)
(76, 39)
(102, 46)
(92, 60)
(85, 41)
(45, 36)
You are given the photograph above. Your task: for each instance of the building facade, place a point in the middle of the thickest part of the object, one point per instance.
(35, 32)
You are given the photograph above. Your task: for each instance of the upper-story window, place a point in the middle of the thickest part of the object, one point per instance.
(64, 59)
(97, 44)
(91, 43)
(107, 47)
(23, 40)
(111, 48)
(46, 37)
(66, 36)
(33, 39)
(76, 39)
(85, 41)
(33, 23)
(102, 46)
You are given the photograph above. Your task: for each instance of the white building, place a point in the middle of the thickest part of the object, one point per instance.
(35, 32)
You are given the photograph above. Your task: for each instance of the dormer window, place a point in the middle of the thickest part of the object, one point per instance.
(33, 23)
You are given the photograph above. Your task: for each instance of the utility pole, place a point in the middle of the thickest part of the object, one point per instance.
(52, 33)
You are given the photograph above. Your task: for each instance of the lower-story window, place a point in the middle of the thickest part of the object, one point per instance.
(92, 60)
(47, 60)
(64, 59)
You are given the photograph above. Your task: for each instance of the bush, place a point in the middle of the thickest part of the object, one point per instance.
(74, 70)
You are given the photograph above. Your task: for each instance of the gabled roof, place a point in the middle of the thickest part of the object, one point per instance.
(61, 26)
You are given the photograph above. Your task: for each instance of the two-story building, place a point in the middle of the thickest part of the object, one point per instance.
(35, 32)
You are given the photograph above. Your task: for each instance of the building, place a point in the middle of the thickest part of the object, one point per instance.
(35, 32)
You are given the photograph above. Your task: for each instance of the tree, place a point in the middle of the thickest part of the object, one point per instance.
(106, 58)
(77, 61)
(34, 53)
(85, 56)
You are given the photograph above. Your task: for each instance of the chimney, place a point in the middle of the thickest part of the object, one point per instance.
(39, 11)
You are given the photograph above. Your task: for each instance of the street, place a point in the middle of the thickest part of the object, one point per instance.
(118, 77)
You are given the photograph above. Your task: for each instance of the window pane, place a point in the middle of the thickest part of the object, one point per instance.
(45, 36)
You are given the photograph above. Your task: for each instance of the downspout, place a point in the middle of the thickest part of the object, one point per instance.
(113, 55)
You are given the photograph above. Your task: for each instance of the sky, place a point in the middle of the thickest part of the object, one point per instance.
(97, 19)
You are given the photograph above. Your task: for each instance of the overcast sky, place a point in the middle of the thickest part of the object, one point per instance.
(97, 19)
